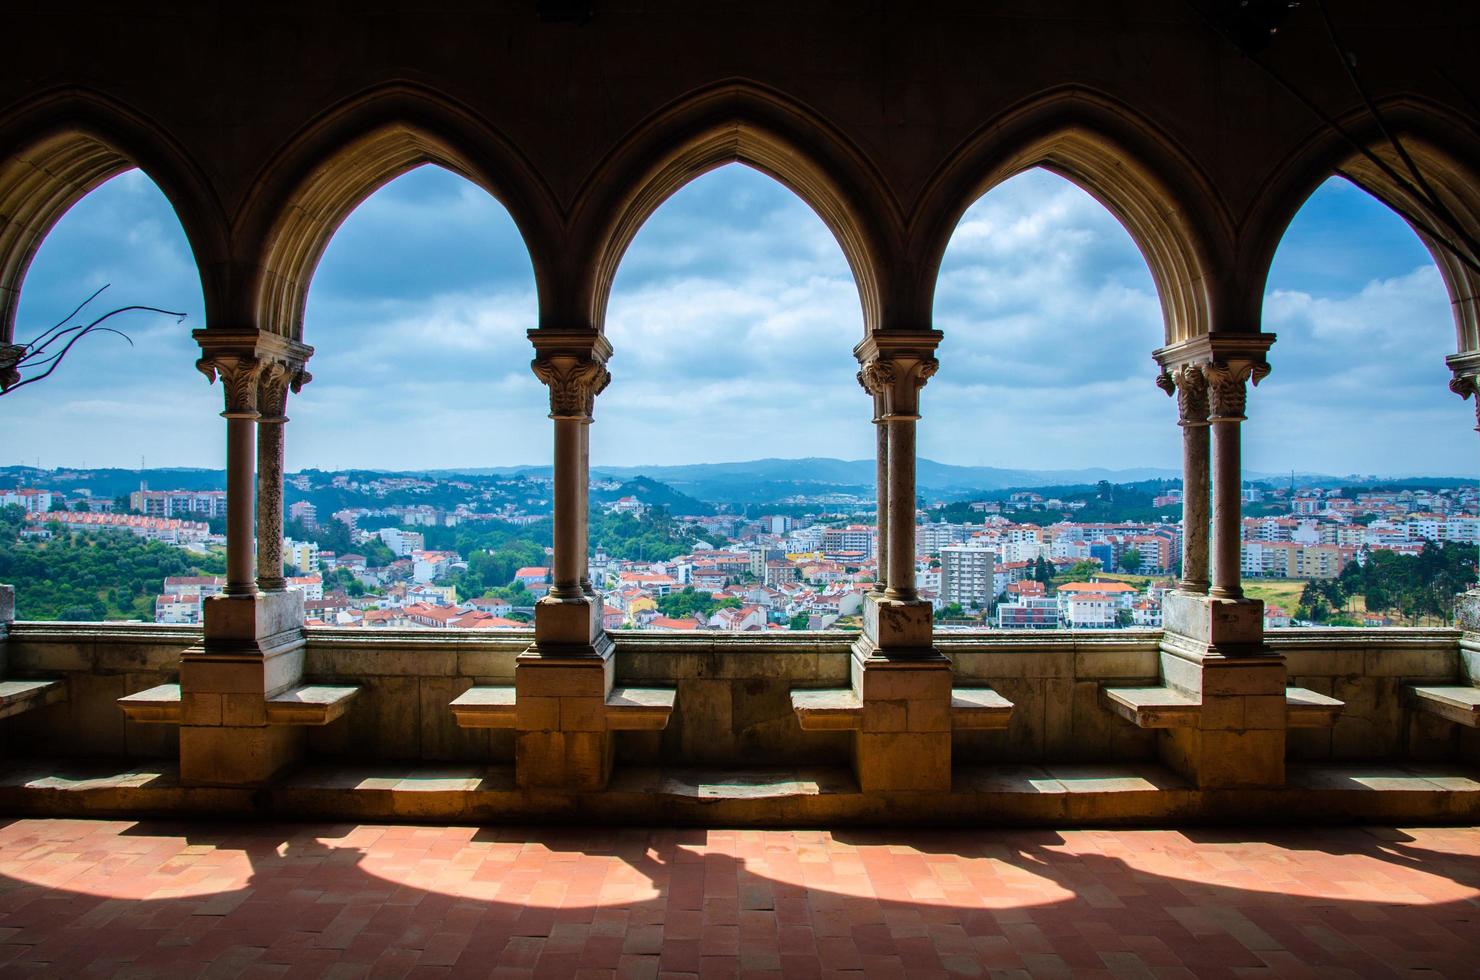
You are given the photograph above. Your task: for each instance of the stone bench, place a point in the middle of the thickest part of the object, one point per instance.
(1310, 709)
(628, 709)
(1166, 707)
(1460, 705)
(308, 704)
(840, 709)
(17, 696)
(157, 705)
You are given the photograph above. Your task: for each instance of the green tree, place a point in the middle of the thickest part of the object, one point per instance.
(1130, 560)
(951, 610)
(798, 622)
(686, 602)
(1083, 571)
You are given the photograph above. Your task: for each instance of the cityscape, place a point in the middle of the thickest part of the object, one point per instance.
(471, 551)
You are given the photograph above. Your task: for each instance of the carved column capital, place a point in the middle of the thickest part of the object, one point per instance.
(256, 369)
(239, 374)
(277, 377)
(1227, 391)
(1190, 386)
(572, 364)
(894, 369)
(574, 383)
(1467, 386)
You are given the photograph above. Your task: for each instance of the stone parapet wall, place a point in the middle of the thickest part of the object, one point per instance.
(733, 706)
(101, 663)
(1368, 669)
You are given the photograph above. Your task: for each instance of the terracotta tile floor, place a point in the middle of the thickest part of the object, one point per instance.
(100, 898)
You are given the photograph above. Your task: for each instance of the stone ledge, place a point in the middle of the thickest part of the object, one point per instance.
(158, 705)
(1048, 795)
(979, 708)
(627, 709)
(836, 710)
(310, 704)
(485, 707)
(1457, 704)
(1153, 707)
(1309, 709)
(19, 696)
(1166, 707)
(307, 704)
(639, 709)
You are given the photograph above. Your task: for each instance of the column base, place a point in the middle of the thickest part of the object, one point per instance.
(1213, 650)
(903, 742)
(900, 627)
(560, 694)
(1233, 627)
(569, 627)
(252, 649)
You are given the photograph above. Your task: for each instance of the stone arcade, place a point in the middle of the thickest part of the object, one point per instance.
(889, 120)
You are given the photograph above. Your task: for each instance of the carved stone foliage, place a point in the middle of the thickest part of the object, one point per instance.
(1227, 391)
(574, 381)
(895, 380)
(1190, 386)
(239, 374)
(1466, 386)
(276, 379)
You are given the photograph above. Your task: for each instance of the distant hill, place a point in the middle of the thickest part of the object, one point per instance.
(655, 494)
(693, 488)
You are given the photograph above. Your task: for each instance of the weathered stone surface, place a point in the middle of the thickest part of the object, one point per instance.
(248, 618)
(221, 755)
(566, 622)
(1221, 623)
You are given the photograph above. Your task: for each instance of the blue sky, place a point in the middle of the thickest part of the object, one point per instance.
(733, 317)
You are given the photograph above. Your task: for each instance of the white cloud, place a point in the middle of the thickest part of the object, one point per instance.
(733, 318)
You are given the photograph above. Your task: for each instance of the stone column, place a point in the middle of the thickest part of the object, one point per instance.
(903, 684)
(7, 616)
(1212, 648)
(562, 682)
(895, 373)
(1226, 399)
(1191, 388)
(881, 490)
(1466, 384)
(584, 499)
(575, 376)
(277, 378)
(239, 371)
(252, 641)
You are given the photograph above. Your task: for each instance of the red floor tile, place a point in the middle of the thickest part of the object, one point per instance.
(112, 898)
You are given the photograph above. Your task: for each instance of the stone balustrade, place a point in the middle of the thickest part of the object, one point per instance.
(733, 705)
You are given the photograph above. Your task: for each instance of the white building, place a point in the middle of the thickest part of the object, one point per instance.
(401, 543)
(34, 501)
(856, 539)
(312, 586)
(967, 575)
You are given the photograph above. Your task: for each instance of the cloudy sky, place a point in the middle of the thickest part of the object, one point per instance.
(733, 318)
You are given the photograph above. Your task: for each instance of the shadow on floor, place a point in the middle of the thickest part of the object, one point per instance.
(114, 898)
